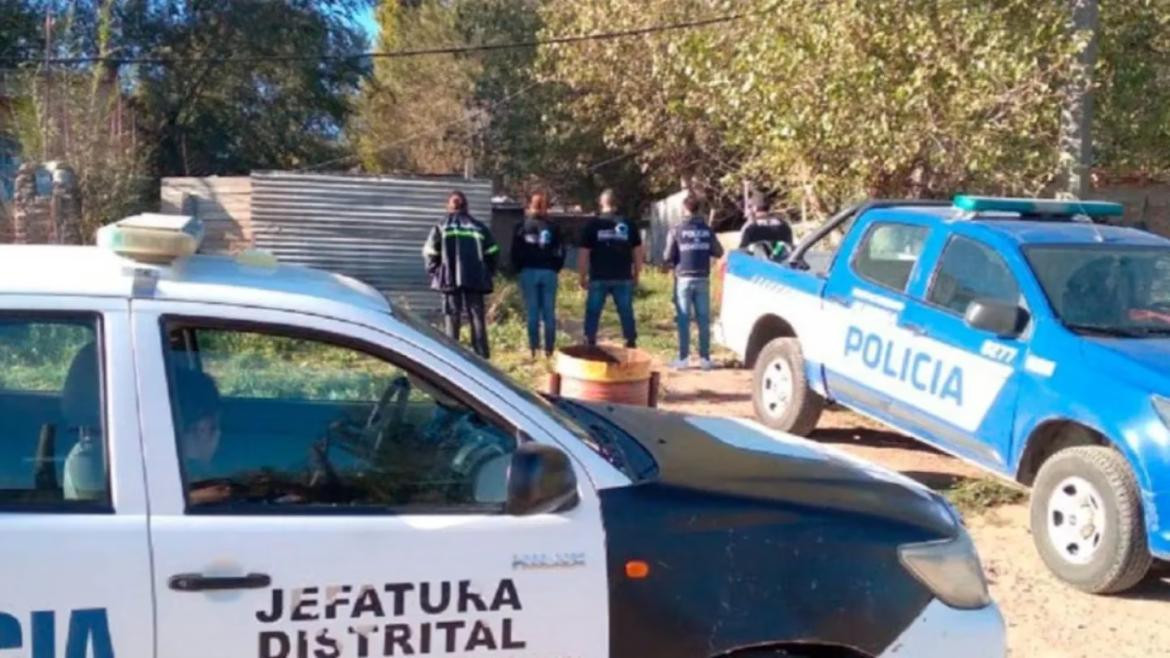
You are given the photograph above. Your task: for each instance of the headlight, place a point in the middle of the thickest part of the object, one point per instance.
(1162, 406)
(950, 568)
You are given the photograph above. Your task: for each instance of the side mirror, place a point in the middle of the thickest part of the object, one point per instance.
(1001, 319)
(540, 480)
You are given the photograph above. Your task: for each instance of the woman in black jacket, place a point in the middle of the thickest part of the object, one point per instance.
(538, 254)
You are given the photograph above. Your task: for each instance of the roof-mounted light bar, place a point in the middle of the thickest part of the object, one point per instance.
(152, 237)
(1045, 207)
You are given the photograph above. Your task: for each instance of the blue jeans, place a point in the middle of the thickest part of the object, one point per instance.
(539, 288)
(693, 296)
(623, 298)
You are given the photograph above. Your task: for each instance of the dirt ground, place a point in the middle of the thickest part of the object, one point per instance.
(1045, 619)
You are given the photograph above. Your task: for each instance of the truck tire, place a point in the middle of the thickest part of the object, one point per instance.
(1087, 520)
(780, 392)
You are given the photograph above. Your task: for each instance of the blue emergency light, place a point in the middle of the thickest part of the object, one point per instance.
(977, 204)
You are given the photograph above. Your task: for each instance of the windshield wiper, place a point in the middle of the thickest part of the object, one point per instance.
(1153, 331)
(1102, 330)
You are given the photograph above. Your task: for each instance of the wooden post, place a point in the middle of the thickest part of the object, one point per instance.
(554, 383)
(652, 394)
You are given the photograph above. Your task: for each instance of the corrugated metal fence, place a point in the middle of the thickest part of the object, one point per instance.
(369, 227)
(223, 203)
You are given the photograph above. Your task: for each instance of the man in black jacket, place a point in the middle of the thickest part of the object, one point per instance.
(460, 255)
(763, 226)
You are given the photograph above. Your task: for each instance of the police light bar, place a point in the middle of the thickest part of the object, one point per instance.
(978, 204)
(152, 237)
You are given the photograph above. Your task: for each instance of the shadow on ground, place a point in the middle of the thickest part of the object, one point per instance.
(937, 480)
(872, 438)
(702, 395)
(1156, 586)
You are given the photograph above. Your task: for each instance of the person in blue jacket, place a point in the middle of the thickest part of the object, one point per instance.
(538, 255)
(690, 248)
(460, 255)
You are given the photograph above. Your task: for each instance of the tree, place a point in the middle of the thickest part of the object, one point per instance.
(414, 114)
(79, 117)
(1132, 131)
(640, 92)
(195, 112)
(492, 109)
(830, 101)
(209, 116)
(530, 139)
(20, 33)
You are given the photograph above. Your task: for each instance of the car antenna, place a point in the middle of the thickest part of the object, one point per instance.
(1084, 216)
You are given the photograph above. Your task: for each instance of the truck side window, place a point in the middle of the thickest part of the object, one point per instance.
(968, 271)
(888, 252)
(52, 446)
(269, 422)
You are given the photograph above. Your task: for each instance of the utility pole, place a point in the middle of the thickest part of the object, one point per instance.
(1076, 134)
(47, 80)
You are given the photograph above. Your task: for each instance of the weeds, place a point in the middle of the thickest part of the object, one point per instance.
(973, 496)
(653, 310)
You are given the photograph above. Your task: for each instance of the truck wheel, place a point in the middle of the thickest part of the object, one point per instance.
(1087, 520)
(780, 391)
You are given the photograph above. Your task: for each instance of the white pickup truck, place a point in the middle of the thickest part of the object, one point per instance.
(223, 457)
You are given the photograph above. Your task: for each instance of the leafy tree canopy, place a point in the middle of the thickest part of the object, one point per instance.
(203, 116)
(828, 100)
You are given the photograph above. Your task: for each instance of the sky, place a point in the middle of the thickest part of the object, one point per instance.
(366, 20)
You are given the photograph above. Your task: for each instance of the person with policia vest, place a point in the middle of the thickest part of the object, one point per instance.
(690, 248)
(460, 255)
(763, 226)
(538, 255)
(609, 263)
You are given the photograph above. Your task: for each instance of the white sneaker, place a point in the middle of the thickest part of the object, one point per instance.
(679, 364)
(706, 364)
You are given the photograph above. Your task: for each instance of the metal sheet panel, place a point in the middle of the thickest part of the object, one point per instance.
(371, 228)
(224, 205)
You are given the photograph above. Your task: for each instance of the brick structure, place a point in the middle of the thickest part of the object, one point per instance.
(65, 207)
(28, 212)
(47, 218)
(1147, 203)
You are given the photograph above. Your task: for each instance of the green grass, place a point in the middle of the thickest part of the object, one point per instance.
(653, 311)
(267, 366)
(36, 356)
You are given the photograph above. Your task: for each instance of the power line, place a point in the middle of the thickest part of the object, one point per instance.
(394, 54)
(430, 132)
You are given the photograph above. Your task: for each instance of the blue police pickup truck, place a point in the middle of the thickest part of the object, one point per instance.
(1025, 336)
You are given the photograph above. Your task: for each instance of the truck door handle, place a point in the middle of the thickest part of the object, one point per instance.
(839, 299)
(916, 329)
(197, 582)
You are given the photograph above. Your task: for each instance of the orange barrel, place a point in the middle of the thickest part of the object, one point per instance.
(605, 374)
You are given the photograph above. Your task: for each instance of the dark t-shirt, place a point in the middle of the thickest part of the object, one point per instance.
(537, 245)
(611, 241)
(767, 229)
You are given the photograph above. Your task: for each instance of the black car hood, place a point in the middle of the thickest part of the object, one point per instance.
(737, 458)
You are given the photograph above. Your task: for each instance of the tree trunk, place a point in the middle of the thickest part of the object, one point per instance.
(1076, 140)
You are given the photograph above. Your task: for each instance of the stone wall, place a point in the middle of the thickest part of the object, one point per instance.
(5, 223)
(46, 206)
(1147, 204)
